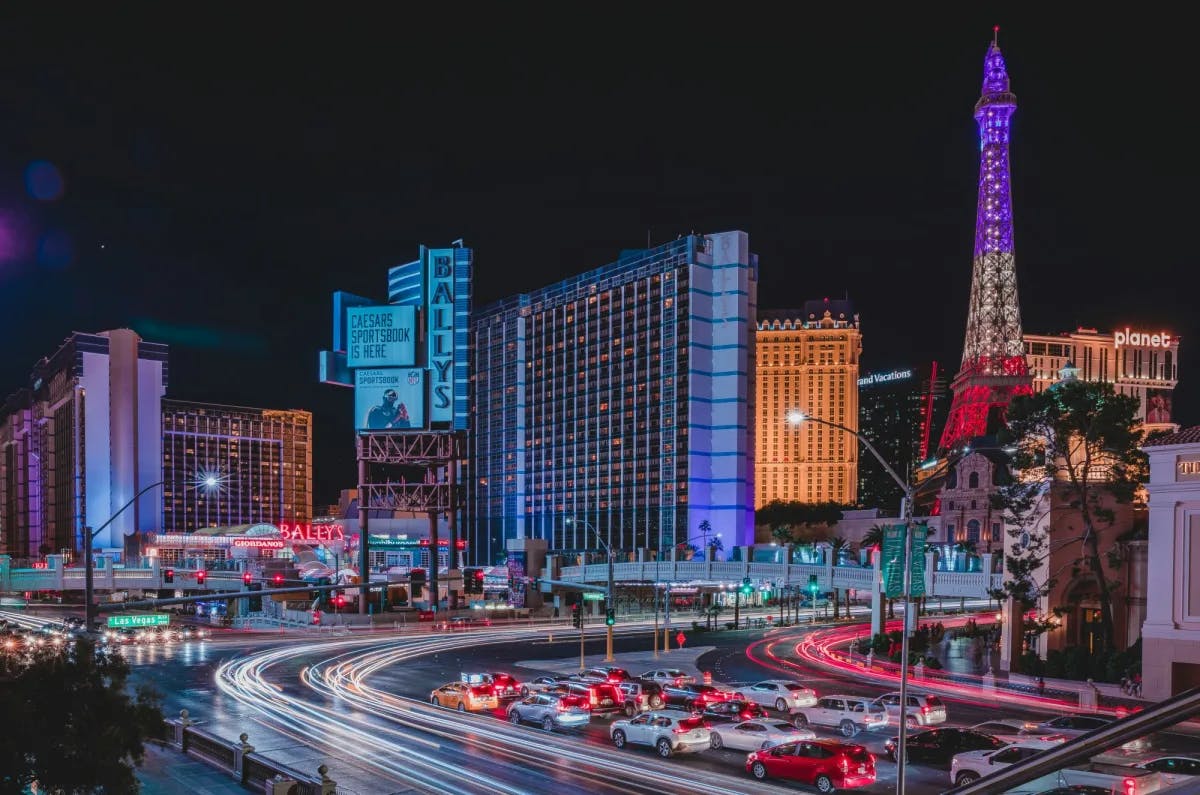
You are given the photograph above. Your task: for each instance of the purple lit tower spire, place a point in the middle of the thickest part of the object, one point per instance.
(993, 368)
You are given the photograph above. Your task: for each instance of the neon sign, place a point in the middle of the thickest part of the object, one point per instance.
(309, 533)
(1142, 339)
(259, 543)
(883, 378)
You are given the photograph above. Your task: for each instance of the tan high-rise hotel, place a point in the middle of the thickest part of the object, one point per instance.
(807, 362)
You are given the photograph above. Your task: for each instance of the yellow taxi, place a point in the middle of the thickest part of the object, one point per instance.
(465, 697)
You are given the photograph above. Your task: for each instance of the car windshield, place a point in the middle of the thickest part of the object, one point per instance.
(794, 686)
(572, 701)
(933, 701)
(786, 728)
(481, 691)
(691, 723)
(858, 753)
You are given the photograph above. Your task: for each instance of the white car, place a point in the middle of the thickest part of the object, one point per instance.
(668, 732)
(970, 766)
(1015, 730)
(1173, 769)
(849, 714)
(541, 684)
(780, 694)
(668, 676)
(755, 735)
(922, 710)
(1072, 726)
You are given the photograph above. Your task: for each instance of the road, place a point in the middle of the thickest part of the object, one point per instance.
(359, 706)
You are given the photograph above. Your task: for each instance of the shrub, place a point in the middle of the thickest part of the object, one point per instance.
(933, 663)
(1032, 664)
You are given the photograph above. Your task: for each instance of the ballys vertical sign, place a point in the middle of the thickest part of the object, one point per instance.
(440, 302)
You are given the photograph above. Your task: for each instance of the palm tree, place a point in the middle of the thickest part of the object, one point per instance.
(782, 534)
(837, 545)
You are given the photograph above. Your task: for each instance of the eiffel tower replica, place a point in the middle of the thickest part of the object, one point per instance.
(993, 369)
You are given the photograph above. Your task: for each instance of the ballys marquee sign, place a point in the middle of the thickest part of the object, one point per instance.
(407, 359)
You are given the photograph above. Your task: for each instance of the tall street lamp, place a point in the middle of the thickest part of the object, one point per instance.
(795, 418)
(209, 483)
(610, 605)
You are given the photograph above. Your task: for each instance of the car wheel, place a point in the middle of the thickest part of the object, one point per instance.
(435, 701)
(759, 771)
(461, 708)
(912, 722)
(619, 738)
(781, 705)
(657, 703)
(715, 741)
(800, 721)
(848, 728)
(824, 784)
(514, 717)
(630, 710)
(965, 778)
(547, 724)
(664, 747)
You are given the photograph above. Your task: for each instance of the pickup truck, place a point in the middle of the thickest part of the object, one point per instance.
(1124, 779)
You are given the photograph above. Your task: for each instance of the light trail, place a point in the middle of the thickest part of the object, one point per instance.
(415, 743)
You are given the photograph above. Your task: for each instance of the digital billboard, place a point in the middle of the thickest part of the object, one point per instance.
(1158, 406)
(389, 398)
(381, 336)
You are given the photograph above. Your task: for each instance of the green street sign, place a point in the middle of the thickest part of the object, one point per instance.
(593, 596)
(893, 561)
(147, 620)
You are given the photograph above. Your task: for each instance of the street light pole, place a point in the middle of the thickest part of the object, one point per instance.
(609, 604)
(794, 418)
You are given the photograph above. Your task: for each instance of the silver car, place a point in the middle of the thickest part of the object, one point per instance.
(549, 711)
(667, 732)
(668, 676)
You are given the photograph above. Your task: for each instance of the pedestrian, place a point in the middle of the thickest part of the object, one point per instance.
(1041, 686)
(1136, 691)
(871, 657)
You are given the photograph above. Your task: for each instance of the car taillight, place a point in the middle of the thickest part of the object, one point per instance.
(678, 680)
(681, 730)
(592, 698)
(562, 707)
(925, 710)
(1130, 786)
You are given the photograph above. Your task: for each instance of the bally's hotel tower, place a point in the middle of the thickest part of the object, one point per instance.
(619, 402)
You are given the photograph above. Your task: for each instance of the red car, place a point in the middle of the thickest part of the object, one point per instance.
(505, 686)
(826, 764)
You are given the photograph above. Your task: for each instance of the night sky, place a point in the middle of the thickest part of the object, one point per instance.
(209, 181)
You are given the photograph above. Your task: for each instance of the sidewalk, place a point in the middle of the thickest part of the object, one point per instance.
(165, 771)
(635, 662)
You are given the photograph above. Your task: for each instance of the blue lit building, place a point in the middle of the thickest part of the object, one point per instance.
(621, 399)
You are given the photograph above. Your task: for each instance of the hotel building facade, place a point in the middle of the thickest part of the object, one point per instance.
(619, 403)
(262, 459)
(807, 361)
(80, 442)
(1144, 364)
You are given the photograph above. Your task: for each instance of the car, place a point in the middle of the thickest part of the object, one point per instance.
(753, 735)
(612, 675)
(668, 676)
(826, 764)
(781, 694)
(1072, 726)
(465, 697)
(969, 766)
(504, 685)
(541, 684)
(922, 710)
(1173, 769)
(550, 711)
(849, 714)
(1077, 789)
(463, 623)
(601, 697)
(693, 696)
(669, 732)
(940, 745)
(732, 711)
(1015, 730)
(641, 696)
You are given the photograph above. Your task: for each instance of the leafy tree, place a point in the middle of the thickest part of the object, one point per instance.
(70, 723)
(1076, 443)
(873, 537)
(804, 521)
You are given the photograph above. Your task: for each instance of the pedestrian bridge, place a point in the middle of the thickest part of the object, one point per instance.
(949, 584)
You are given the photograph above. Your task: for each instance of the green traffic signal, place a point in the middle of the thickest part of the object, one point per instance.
(610, 616)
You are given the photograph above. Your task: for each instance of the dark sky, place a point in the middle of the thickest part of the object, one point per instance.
(221, 175)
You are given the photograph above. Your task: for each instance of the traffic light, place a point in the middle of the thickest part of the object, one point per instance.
(478, 581)
(576, 617)
(168, 575)
(201, 576)
(813, 585)
(469, 580)
(277, 580)
(247, 578)
(747, 588)
(416, 582)
(610, 616)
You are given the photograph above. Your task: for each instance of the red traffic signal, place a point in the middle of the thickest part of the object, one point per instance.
(316, 616)
(278, 579)
(201, 576)
(340, 600)
(460, 544)
(247, 578)
(168, 575)
(479, 575)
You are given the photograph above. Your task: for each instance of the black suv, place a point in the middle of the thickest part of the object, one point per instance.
(693, 696)
(732, 711)
(600, 697)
